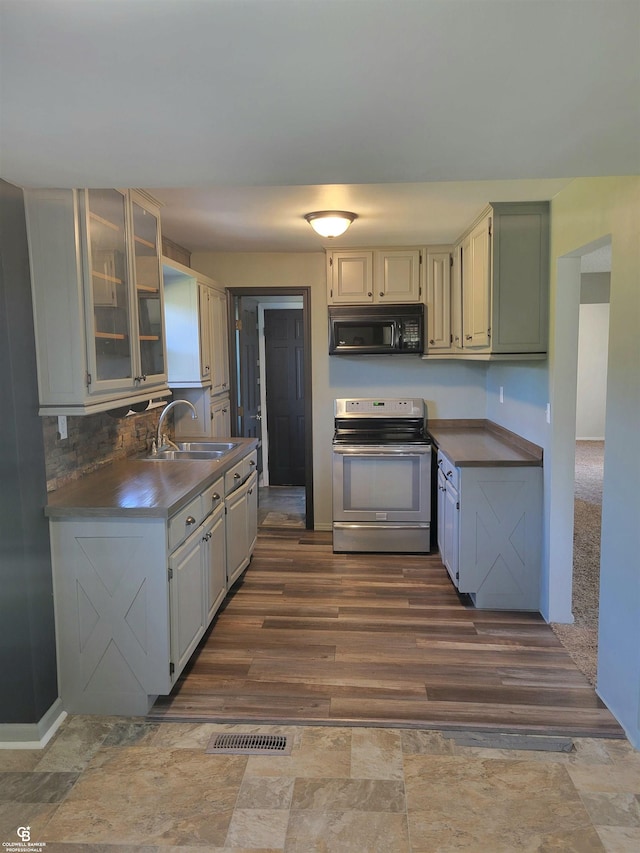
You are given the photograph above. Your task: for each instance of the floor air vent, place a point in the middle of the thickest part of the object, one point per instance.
(249, 744)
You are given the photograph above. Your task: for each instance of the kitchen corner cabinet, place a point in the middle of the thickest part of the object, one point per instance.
(489, 532)
(214, 418)
(505, 280)
(374, 276)
(197, 337)
(97, 298)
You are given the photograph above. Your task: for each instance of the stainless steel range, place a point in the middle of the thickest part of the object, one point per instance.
(381, 476)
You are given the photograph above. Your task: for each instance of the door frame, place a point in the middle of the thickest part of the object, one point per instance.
(257, 293)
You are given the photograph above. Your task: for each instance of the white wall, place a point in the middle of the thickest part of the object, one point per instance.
(593, 344)
(587, 212)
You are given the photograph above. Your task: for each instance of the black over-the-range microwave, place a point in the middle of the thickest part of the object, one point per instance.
(376, 329)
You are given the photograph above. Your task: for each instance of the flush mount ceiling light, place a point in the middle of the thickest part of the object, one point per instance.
(330, 223)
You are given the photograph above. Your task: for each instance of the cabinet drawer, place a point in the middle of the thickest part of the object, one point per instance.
(250, 463)
(234, 477)
(449, 470)
(240, 471)
(212, 497)
(184, 522)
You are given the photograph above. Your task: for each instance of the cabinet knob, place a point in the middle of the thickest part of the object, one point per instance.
(215, 497)
(236, 476)
(432, 342)
(369, 294)
(381, 293)
(251, 463)
(224, 411)
(189, 520)
(250, 491)
(467, 337)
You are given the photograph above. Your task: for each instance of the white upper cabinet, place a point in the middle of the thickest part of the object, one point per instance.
(476, 290)
(505, 280)
(374, 276)
(219, 341)
(196, 321)
(438, 301)
(97, 298)
(350, 277)
(497, 302)
(397, 276)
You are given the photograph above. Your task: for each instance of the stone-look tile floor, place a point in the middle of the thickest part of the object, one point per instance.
(107, 785)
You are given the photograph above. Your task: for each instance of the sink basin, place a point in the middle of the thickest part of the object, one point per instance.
(186, 454)
(213, 446)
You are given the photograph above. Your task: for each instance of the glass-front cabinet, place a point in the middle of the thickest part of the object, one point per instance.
(148, 277)
(109, 293)
(98, 298)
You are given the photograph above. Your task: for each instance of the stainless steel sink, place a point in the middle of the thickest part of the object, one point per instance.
(214, 446)
(185, 454)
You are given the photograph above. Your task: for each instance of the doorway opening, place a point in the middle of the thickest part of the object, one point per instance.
(271, 397)
(586, 287)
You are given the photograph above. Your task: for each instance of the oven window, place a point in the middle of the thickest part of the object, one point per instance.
(381, 483)
(370, 334)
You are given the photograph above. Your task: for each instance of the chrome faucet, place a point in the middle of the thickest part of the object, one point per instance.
(162, 441)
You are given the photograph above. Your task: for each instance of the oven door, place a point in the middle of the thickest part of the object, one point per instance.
(382, 483)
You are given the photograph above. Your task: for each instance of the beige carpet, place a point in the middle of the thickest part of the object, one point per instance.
(581, 638)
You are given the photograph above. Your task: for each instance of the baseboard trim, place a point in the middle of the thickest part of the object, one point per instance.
(322, 525)
(33, 735)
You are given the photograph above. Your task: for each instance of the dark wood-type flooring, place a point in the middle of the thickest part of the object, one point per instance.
(313, 637)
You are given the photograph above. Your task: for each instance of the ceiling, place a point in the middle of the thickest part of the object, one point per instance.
(241, 116)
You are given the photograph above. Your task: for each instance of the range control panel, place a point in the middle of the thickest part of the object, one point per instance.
(380, 406)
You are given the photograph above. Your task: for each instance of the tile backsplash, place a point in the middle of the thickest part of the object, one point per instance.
(93, 441)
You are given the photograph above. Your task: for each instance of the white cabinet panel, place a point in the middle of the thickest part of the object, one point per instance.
(187, 597)
(438, 301)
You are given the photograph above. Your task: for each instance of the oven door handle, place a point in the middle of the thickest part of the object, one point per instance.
(387, 451)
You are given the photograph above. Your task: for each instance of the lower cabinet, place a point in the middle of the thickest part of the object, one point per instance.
(134, 595)
(241, 527)
(490, 532)
(448, 527)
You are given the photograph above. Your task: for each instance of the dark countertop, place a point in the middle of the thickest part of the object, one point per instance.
(482, 443)
(138, 488)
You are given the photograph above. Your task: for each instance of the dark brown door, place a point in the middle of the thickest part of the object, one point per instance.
(249, 392)
(284, 348)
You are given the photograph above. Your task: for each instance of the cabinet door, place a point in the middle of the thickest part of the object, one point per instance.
(108, 293)
(252, 513)
(456, 299)
(438, 301)
(350, 277)
(219, 337)
(451, 532)
(397, 276)
(476, 286)
(148, 290)
(205, 322)
(215, 562)
(236, 529)
(221, 419)
(442, 488)
(186, 599)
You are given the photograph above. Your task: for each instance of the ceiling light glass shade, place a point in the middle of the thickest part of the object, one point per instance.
(330, 223)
